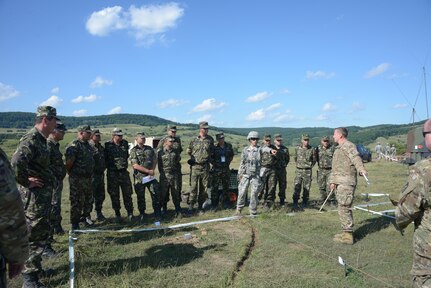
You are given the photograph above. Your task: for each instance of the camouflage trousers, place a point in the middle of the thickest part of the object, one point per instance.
(38, 202)
(268, 184)
(199, 184)
(117, 179)
(422, 281)
(421, 268)
(302, 179)
(281, 180)
(81, 198)
(98, 183)
(322, 182)
(169, 182)
(153, 187)
(345, 195)
(255, 183)
(179, 179)
(217, 177)
(56, 204)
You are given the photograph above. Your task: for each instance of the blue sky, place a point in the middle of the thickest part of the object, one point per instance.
(234, 63)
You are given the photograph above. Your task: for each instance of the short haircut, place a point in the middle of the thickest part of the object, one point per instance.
(343, 131)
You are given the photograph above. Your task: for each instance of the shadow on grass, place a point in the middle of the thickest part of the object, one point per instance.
(372, 225)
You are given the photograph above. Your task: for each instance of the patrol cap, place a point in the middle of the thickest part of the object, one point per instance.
(278, 137)
(60, 126)
(267, 137)
(305, 137)
(117, 131)
(325, 138)
(140, 134)
(84, 128)
(95, 132)
(220, 136)
(203, 124)
(172, 128)
(46, 111)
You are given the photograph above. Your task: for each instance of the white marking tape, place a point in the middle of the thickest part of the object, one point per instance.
(373, 212)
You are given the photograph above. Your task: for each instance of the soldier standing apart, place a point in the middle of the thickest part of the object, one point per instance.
(116, 157)
(98, 180)
(305, 158)
(393, 152)
(325, 152)
(167, 159)
(413, 206)
(144, 161)
(387, 151)
(345, 165)
(220, 172)
(249, 173)
(281, 162)
(267, 172)
(13, 228)
(379, 151)
(80, 166)
(200, 150)
(30, 162)
(172, 133)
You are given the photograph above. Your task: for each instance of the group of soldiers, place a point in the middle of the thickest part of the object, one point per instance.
(388, 152)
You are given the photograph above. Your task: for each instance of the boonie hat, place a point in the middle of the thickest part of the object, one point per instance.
(47, 111)
(305, 137)
(220, 136)
(84, 128)
(203, 124)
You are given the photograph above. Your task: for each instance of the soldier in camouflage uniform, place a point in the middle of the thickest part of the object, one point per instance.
(346, 163)
(144, 161)
(80, 165)
(281, 162)
(116, 156)
(30, 162)
(98, 180)
(168, 159)
(13, 228)
(414, 206)
(200, 150)
(172, 132)
(325, 151)
(305, 158)
(220, 172)
(267, 172)
(249, 173)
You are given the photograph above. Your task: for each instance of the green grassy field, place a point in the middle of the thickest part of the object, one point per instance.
(276, 249)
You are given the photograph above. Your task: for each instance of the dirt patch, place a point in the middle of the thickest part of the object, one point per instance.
(249, 249)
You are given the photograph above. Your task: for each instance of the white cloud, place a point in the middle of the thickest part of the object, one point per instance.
(115, 110)
(258, 97)
(89, 98)
(322, 117)
(328, 107)
(273, 107)
(319, 75)
(256, 115)
(53, 101)
(79, 113)
(377, 70)
(284, 117)
(147, 23)
(400, 106)
(206, 117)
(99, 82)
(7, 92)
(207, 105)
(356, 106)
(55, 90)
(171, 103)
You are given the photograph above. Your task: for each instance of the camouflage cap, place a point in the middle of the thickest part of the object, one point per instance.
(140, 134)
(117, 131)
(220, 136)
(305, 137)
(60, 126)
(325, 138)
(267, 137)
(46, 111)
(278, 136)
(203, 124)
(172, 128)
(84, 128)
(95, 132)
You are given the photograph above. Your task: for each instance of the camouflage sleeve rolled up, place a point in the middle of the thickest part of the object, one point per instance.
(13, 228)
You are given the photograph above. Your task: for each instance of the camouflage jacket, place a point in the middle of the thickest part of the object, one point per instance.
(13, 228)
(324, 156)
(282, 158)
(414, 205)
(250, 162)
(57, 164)
(99, 158)
(201, 149)
(82, 153)
(345, 164)
(222, 156)
(116, 156)
(177, 144)
(268, 160)
(31, 159)
(143, 156)
(305, 158)
(167, 161)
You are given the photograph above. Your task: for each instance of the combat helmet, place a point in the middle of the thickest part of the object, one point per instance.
(252, 134)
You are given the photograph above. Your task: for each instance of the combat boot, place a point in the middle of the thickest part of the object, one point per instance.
(99, 216)
(295, 207)
(191, 209)
(304, 204)
(117, 216)
(207, 204)
(282, 202)
(238, 212)
(344, 238)
(75, 226)
(58, 230)
(31, 280)
(129, 216)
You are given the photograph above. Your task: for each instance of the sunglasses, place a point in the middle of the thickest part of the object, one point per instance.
(425, 133)
(254, 139)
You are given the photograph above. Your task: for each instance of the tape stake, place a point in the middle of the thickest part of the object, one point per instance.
(342, 263)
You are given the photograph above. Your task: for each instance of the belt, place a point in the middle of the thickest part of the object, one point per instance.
(324, 168)
(303, 168)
